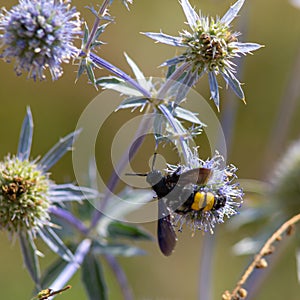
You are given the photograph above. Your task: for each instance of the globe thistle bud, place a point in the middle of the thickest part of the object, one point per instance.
(39, 35)
(210, 46)
(24, 197)
(285, 182)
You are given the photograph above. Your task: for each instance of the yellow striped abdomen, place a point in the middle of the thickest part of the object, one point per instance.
(203, 201)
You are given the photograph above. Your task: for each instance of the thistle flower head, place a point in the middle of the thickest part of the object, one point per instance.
(285, 183)
(24, 195)
(26, 192)
(220, 195)
(39, 35)
(28, 196)
(208, 47)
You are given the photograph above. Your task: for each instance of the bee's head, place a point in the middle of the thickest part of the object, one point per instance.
(154, 177)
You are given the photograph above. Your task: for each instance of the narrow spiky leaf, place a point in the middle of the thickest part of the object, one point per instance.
(246, 47)
(52, 272)
(93, 278)
(118, 85)
(55, 243)
(138, 73)
(58, 150)
(117, 249)
(118, 229)
(187, 115)
(133, 102)
(71, 192)
(214, 89)
(232, 12)
(234, 84)
(72, 267)
(165, 39)
(25, 140)
(30, 257)
(86, 33)
(191, 16)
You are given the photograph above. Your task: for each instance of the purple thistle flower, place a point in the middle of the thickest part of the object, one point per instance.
(39, 34)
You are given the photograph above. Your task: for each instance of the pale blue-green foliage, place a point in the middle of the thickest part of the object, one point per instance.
(164, 98)
(60, 193)
(112, 238)
(29, 35)
(167, 109)
(26, 137)
(30, 258)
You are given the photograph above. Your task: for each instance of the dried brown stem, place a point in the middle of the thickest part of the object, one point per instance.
(265, 250)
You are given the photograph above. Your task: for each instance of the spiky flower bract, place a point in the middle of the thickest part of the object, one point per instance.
(163, 99)
(208, 48)
(220, 185)
(38, 35)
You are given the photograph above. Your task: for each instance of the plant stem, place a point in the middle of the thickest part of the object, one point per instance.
(70, 218)
(276, 236)
(114, 178)
(101, 12)
(120, 275)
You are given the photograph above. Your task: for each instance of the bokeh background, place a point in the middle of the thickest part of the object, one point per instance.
(261, 131)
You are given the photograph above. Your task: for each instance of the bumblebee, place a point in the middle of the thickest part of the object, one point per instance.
(181, 192)
(176, 192)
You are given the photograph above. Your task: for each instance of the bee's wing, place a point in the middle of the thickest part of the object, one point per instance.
(165, 232)
(196, 176)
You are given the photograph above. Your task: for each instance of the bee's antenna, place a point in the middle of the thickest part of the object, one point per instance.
(136, 174)
(153, 161)
(144, 174)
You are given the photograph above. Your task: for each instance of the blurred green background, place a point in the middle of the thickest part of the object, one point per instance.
(56, 107)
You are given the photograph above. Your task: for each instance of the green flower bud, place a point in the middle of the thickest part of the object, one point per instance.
(24, 199)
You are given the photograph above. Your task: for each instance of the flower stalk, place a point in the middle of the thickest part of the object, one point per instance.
(258, 261)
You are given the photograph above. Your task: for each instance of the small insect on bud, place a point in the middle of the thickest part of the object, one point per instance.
(290, 230)
(242, 293)
(47, 293)
(261, 264)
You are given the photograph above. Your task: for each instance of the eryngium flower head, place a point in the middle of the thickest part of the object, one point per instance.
(221, 196)
(208, 48)
(27, 195)
(285, 181)
(28, 198)
(24, 197)
(39, 34)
